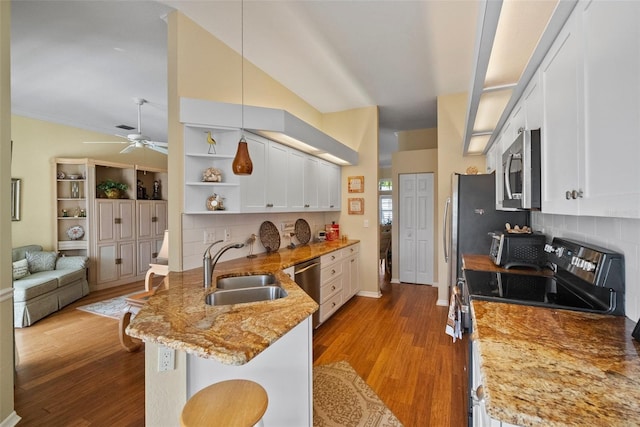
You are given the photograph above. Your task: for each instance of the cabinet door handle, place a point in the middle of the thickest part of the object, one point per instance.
(306, 206)
(154, 255)
(331, 206)
(353, 260)
(154, 219)
(117, 220)
(269, 205)
(118, 261)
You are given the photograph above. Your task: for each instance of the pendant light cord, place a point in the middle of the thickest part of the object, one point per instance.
(242, 60)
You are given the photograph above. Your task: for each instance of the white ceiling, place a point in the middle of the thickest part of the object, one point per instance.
(81, 63)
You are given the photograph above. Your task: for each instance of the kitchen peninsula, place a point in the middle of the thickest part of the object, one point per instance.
(269, 341)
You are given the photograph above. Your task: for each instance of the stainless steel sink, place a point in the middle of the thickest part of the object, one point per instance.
(239, 296)
(246, 281)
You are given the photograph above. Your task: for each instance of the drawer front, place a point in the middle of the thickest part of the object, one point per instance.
(328, 290)
(330, 258)
(351, 250)
(329, 307)
(331, 272)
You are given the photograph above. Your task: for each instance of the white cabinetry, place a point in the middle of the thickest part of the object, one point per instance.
(311, 182)
(339, 279)
(151, 219)
(352, 270)
(115, 240)
(253, 188)
(591, 107)
(335, 190)
(72, 233)
(332, 282)
(295, 181)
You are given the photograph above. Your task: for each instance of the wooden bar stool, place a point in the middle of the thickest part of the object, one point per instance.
(232, 403)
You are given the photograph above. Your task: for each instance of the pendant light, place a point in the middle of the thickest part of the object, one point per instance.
(242, 164)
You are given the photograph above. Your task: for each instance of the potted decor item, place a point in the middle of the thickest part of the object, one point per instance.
(112, 189)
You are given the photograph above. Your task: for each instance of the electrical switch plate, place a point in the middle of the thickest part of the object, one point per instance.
(166, 359)
(209, 236)
(366, 223)
(287, 226)
(227, 234)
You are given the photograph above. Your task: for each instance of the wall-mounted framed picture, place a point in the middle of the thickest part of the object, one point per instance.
(356, 206)
(15, 199)
(356, 184)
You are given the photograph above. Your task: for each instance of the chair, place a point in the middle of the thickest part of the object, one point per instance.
(136, 301)
(385, 249)
(161, 267)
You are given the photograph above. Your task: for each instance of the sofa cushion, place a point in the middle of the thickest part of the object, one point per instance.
(21, 252)
(41, 261)
(34, 285)
(68, 276)
(20, 269)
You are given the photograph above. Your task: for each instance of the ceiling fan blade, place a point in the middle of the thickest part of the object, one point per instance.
(162, 150)
(106, 142)
(128, 149)
(157, 143)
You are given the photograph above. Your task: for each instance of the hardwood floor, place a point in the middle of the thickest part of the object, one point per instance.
(397, 344)
(73, 371)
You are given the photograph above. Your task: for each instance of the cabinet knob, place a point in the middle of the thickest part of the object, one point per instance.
(576, 194)
(117, 220)
(333, 272)
(333, 288)
(154, 219)
(154, 255)
(331, 206)
(118, 261)
(306, 206)
(333, 305)
(333, 257)
(269, 205)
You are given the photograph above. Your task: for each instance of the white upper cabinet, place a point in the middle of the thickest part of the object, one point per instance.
(561, 75)
(295, 180)
(253, 188)
(533, 103)
(335, 189)
(591, 90)
(311, 183)
(277, 177)
(610, 177)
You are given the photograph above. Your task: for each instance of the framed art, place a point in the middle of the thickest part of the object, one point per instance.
(356, 206)
(356, 184)
(15, 199)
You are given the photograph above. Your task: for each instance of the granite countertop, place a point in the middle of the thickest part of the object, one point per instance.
(176, 316)
(481, 262)
(548, 367)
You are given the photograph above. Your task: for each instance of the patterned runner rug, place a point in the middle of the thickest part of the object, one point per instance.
(342, 399)
(108, 308)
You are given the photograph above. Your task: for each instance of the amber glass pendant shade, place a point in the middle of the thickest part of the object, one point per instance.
(242, 164)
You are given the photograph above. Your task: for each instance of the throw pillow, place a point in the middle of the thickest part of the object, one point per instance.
(20, 269)
(41, 261)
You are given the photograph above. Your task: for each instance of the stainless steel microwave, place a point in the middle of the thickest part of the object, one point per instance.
(521, 167)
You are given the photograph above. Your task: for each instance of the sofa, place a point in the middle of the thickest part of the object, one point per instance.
(44, 282)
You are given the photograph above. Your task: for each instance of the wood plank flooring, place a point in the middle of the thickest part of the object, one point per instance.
(398, 346)
(73, 371)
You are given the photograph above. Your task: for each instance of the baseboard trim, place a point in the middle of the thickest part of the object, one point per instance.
(395, 280)
(369, 294)
(11, 420)
(442, 302)
(6, 294)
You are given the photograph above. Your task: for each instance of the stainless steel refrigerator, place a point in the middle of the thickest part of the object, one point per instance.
(470, 215)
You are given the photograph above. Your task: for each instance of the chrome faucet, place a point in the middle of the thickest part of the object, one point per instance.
(210, 263)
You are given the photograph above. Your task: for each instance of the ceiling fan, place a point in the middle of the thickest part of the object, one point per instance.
(137, 140)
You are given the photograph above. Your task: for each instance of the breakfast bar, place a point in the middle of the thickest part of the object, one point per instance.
(269, 342)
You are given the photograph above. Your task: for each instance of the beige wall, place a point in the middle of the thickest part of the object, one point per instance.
(200, 66)
(415, 161)
(35, 144)
(451, 115)
(418, 139)
(7, 414)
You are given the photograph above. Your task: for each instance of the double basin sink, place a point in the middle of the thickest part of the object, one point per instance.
(246, 288)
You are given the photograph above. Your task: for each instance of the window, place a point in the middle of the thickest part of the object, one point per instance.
(384, 184)
(386, 210)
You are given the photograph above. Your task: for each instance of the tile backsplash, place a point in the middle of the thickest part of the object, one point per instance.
(619, 234)
(240, 227)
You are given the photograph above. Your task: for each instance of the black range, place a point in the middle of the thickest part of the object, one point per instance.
(587, 278)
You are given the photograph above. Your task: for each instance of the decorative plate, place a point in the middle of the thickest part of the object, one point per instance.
(75, 233)
(269, 236)
(303, 231)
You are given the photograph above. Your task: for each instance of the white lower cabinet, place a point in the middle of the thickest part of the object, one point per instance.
(339, 279)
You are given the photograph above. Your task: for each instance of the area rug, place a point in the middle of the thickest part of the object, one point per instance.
(342, 399)
(108, 308)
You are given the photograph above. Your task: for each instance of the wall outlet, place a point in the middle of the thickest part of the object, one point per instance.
(227, 234)
(209, 236)
(166, 359)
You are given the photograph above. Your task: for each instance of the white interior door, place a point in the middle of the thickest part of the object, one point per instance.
(416, 228)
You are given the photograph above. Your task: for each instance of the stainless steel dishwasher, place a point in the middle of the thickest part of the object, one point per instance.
(307, 276)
